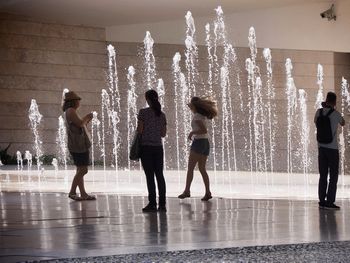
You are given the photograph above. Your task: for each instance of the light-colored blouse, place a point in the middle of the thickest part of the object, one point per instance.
(195, 127)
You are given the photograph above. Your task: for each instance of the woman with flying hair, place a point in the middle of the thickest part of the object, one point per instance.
(202, 109)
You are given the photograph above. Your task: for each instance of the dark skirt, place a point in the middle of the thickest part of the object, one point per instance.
(201, 146)
(81, 159)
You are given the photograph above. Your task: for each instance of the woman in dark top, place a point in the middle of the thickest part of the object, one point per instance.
(78, 144)
(152, 127)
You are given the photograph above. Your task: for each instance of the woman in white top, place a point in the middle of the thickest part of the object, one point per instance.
(203, 109)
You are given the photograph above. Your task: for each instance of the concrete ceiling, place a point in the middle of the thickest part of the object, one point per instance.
(123, 12)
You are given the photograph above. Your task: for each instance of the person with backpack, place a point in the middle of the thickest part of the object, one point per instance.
(327, 120)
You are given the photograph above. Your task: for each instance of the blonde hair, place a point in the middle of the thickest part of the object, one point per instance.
(205, 106)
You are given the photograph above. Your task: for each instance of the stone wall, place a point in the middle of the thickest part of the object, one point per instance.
(38, 60)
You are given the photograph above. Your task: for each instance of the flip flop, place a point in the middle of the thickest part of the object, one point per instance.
(75, 197)
(184, 195)
(88, 198)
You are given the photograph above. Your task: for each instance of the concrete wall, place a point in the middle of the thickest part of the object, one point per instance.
(292, 27)
(38, 60)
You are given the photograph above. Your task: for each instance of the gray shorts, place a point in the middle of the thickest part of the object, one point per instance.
(201, 146)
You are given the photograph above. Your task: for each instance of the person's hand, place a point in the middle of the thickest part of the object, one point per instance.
(89, 116)
(190, 136)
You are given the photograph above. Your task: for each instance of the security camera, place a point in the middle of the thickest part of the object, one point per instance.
(329, 14)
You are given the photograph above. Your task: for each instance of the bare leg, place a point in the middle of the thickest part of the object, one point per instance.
(202, 161)
(78, 181)
(192, 161)
(84, 171)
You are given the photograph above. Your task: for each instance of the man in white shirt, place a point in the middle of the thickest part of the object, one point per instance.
(328, 153)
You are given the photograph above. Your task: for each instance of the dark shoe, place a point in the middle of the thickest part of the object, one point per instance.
(149, 208)
(162, 208)
(75, 197)
(184, 195)
(321, 205)
(88, 198)
(331, 207)
(207, 197)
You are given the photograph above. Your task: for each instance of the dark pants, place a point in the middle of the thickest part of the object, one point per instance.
(152, 163)
(328, 161)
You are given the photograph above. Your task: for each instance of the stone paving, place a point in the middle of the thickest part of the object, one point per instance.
(309, 252)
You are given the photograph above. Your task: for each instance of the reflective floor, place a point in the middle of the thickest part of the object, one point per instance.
(49, 225)
(238, 185)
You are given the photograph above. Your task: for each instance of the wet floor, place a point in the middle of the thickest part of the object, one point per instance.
(49, 225)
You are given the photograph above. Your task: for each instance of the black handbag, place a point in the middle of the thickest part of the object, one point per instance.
(135, 149)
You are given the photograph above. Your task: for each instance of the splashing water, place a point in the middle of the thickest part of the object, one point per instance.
(116, 141)
(105, 109)
(252, 116)
(291, 93)
(19, 160)
(250, 84)
(181, 113)
(113, 79)
(55, 164)
(259, 127)
(132, 108)
(61, 141)
(149, 61)
(177, 84)
(64, 94)
(229, 64)
(186, 117)
(271, 106)
(191, 55)
(114, 95)
(28, 157)
(256, 108)
(95, 130)
(304, 134)
(344, 136)
(319, 97)
(219, 28)
(256, 117)
(209, 91)
(35, 119)
(226, 138)
(161, 94)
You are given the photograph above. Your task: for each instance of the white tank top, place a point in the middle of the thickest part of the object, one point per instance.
(195, 127)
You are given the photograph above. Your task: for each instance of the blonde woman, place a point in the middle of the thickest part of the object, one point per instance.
(202, 109)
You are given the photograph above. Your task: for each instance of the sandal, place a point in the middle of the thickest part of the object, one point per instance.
(75, 197)
(206, 197)
(88, 198)
(184, 195)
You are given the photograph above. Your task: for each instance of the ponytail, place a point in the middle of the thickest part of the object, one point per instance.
(152, 97)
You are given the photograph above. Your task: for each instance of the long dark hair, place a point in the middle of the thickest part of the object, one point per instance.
(205, 106)
(152, 98)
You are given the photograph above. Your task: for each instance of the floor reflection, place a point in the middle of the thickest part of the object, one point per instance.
(48, 225)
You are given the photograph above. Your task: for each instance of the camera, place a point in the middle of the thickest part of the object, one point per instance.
(329, 14)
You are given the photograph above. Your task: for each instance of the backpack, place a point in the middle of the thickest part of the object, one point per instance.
(324, 127)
